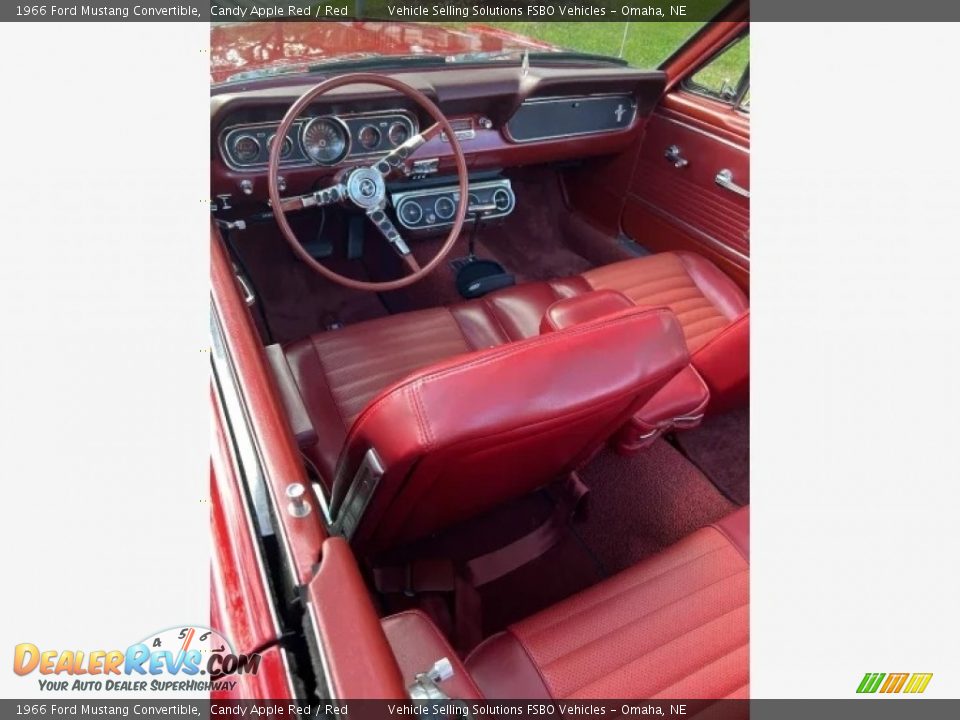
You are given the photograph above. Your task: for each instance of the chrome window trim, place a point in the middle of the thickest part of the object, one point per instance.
(248, 519)
(252, 468)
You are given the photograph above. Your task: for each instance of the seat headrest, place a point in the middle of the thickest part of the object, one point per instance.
(583, 308)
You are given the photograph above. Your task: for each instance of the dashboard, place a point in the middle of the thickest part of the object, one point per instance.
(503, 117)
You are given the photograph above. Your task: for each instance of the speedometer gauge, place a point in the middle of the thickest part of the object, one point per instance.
(326, 140)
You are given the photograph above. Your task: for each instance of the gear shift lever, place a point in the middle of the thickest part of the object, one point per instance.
(476, 277)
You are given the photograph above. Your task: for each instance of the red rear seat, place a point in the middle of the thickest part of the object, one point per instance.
(673, 626)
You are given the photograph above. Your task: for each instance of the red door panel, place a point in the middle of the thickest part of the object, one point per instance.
(669, 207)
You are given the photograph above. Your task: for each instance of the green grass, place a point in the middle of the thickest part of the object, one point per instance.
(726, 68)
(645, 45)
(642, 44)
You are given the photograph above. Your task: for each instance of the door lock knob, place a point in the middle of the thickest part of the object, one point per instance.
(672, 154)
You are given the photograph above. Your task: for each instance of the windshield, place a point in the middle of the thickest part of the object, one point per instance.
(249, 50)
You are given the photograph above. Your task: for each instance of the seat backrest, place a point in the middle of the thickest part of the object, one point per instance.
(461, 436)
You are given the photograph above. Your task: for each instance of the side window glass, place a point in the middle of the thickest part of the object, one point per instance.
(726, 75)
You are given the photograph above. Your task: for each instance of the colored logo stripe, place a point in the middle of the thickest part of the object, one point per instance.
(918, 683)
(870, 682)
(894, 683)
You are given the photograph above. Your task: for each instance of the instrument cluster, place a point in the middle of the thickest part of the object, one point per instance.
(325, 140)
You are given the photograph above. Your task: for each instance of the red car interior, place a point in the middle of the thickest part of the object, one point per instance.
(337, 375)
(542, 485)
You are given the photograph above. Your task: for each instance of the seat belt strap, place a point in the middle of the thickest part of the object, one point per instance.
(569, 497)
(439, 575)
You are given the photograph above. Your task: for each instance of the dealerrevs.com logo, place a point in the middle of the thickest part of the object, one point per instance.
(893, 683)
(183, 659)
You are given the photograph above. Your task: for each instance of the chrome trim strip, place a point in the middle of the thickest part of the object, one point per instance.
(296, 131)
(288, 672)
(270, 129)
(248, 518)
(362, 487)
(227, 396)
(261, 496)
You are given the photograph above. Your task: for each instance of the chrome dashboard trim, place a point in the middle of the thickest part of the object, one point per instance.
(397, 199)
(296, 134)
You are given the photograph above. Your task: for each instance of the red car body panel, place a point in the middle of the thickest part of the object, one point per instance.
(242, 608)
(240, 603)
(245, 47)
(280, 458)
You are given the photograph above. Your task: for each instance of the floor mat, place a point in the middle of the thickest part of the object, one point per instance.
(720, 447)
(563, 570)
(296, 300)
(639, 505)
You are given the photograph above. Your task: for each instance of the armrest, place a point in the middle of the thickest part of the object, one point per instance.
(417, 644)
(583, 308)
(356, 656)
(296, 411)
(679, 404)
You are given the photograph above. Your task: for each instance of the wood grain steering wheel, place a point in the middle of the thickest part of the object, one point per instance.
(364, 185)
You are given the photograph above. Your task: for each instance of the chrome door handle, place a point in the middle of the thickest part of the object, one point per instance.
(672, 154)
(724, 179)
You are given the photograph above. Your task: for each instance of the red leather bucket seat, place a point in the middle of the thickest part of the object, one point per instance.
(459, 437)
(328, 379)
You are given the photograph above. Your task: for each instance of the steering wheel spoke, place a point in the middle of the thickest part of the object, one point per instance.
(397, 158)
(385, 226)
(320, 198)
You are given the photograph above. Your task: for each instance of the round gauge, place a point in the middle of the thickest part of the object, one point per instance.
(472, 201)
(410, 212)
(326, 140)
(398, 133)
(501, 198)
(369, 137)
(285, 150)
(246, 148)
(444, 207)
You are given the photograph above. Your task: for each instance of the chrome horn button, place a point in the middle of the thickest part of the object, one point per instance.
(365, 187)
